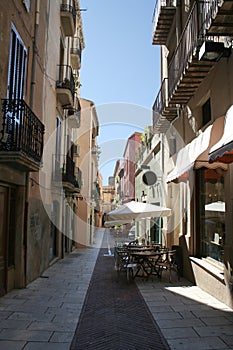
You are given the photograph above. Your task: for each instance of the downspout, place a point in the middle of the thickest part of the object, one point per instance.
(31, 100)
(90, 209)
(34, 54)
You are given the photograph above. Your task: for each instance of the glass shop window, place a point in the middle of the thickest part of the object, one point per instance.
(210, 214)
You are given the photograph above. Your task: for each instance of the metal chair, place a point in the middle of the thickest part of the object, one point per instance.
(123, 262)
(168, 263)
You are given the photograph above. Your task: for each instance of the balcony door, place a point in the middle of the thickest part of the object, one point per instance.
(15, 89)
(16, 67)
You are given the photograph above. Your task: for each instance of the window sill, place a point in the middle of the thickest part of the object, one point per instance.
(214, 270)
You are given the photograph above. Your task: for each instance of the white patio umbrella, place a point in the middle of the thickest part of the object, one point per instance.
(137, 211)
(112, 223)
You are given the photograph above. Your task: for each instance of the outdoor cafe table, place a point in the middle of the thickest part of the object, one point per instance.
(147, 262)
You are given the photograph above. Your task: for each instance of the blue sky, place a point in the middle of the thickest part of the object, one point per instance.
(120, 71)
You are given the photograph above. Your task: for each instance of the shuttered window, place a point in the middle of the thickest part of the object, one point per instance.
(17, 66)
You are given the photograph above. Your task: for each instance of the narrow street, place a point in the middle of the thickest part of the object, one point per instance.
(46, 313)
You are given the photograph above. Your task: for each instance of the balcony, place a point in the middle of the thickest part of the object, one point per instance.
(21, 136)
(217, 18)
(78, 180)
(73, 118)
(68, 19)
(190, 64)
(65, 86)
(163, 17)
(75, 54)
(66, 174)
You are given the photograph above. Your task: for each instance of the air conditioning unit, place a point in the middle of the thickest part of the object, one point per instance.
(76, 150)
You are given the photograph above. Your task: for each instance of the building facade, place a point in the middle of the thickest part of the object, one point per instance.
(22, 139)
(40, 61)
(190, 112)
(88, 207)
(150, 187)
(129, 157)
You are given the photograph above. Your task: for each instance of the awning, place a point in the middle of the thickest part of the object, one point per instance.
(195, 154)
(222, 151)
(202, 160)
(187, 156)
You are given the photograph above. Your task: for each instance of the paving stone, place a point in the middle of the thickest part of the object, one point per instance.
(47, 346)
(228, 339)
(5, 314)
(179, 333)
(28, 308)
(14, 324)
(166, 315)
(191, 322)
(11, 345)
(209, 313)
(53, 326)
(197, 344)
(32, 316)
(214, 321)
(26, 335)
(62, 337)
(70, 318)
(214, 331)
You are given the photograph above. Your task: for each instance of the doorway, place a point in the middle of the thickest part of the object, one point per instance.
(3, 239)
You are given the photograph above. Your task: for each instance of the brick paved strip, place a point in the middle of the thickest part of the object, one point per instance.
(114, 314)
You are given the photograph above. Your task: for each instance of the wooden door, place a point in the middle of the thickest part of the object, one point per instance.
(3, 225)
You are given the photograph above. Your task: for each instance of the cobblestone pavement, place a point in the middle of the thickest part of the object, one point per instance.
(46, 313)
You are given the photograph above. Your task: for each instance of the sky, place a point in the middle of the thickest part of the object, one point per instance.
(120, 71)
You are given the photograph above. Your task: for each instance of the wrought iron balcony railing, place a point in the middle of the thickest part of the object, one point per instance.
(20, 130)
(66, 78)
(163, 15)
(187, 69)
(75, 48)
(162, 97)
(66, 173)
(209, 10)
(186, 48)
(68, 170)
(78, 180)
(67, 8)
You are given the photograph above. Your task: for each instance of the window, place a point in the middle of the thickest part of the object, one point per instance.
(58, 147)
(206, 112)
(27, 4)
(17, 66)
(210, 214)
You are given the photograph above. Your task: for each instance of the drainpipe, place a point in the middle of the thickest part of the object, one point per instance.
(34, 54)
(31, 99)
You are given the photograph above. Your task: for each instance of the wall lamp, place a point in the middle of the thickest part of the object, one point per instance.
(143, 197)
(213, 51)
